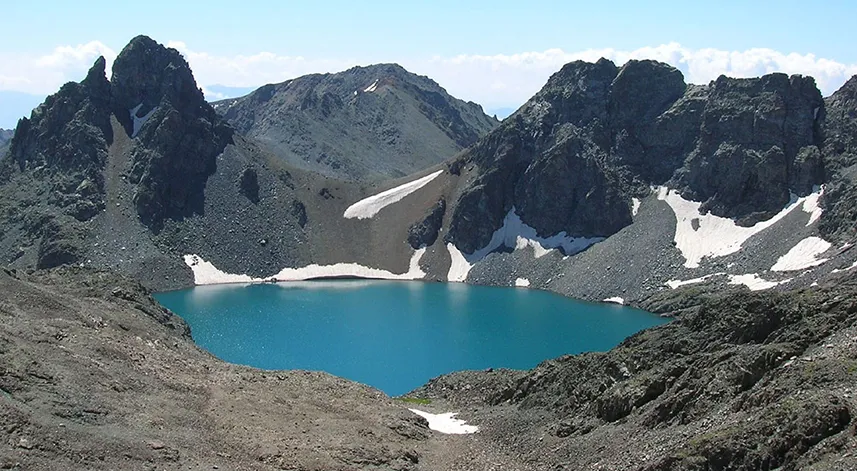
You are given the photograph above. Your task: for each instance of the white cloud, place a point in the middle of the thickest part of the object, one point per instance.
(475, 77)
(492, 80)
(254, 70)
(45, 74)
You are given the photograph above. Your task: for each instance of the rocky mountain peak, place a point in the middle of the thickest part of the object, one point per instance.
(571, 158)
(367, 123)
(177, 133)
(147, 73)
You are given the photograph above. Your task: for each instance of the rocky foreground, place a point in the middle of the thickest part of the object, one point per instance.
(96, 375)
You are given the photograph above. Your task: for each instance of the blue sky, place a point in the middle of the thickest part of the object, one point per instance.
(496, 53)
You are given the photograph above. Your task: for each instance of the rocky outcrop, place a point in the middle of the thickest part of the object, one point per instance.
(177, 134)
(248, 184)
(573, 156)
(738, 380)
(65, 142)
(424, 233)
(364, 124)
(758, 142)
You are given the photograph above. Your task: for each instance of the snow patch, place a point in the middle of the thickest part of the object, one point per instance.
(673, 284)
(698, 236)
(446, 423)
(803, 255)
(459, 268)
(754, 282)
(615, 300)
(371, 88)
(205, 273)
(515, 234)
(368, 207)
(811, 206)
(635, 206)
(138, 122)
(522, 282)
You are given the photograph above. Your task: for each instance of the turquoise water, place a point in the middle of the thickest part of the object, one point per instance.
(396, 336)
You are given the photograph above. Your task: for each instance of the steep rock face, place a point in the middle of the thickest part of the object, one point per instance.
(367, 123)
(840, 157)
(178, 134)
(571, 158)
(65, 141)
(543, 162)
(758, 141)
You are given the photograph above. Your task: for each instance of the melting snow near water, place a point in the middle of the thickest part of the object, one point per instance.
(522, 282)
(205, 273)
(368, 207)
(615, 300)
(446, 423)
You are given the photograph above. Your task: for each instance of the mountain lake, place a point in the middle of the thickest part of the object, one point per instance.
(396, 335)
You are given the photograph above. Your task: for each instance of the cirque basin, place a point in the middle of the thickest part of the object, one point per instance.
(394, 335)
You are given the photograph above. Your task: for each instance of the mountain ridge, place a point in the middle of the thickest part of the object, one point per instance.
(366, 123)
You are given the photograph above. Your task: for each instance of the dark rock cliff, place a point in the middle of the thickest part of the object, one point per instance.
(65, 140)
(840, 154)
(571, 158)
(176, 147)
(366, 123)
(758, 141)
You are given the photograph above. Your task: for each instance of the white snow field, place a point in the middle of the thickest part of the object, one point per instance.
(446, 423)
(371, 88)
(138, 121)
(205, 273)
(522, 282)
(515, 234)
(368, 207)
(615, 300)
(716, 236)
(635, 206)
(754, 282)
(803, 255)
